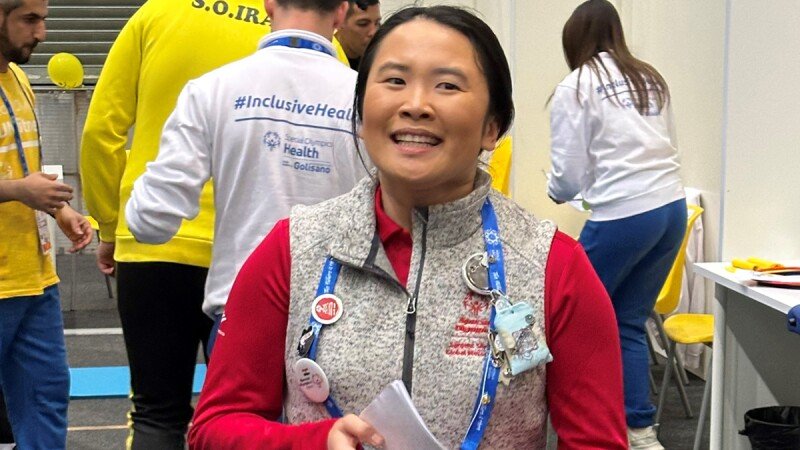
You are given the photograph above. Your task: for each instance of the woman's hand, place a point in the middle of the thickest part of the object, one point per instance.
(349, 431)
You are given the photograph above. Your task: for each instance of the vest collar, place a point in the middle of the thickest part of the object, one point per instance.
(448, 224)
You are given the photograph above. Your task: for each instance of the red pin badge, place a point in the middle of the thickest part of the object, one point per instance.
(327, 309)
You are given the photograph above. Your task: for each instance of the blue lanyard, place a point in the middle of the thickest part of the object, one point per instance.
(298, 42)
(17, 136)
(484, 404)
(327, 282)
(482, 410)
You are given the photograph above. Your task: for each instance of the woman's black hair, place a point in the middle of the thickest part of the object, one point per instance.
(491, 58)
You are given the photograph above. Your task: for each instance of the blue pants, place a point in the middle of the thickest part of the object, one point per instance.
(632, 257)
(33, 369)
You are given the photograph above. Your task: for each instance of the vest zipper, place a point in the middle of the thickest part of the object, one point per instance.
(411, 317)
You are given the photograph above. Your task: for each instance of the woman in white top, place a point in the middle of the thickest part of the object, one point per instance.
(613, 144)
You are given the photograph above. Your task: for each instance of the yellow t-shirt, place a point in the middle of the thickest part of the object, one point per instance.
(340, 54)
(164, 45)
(24, 269)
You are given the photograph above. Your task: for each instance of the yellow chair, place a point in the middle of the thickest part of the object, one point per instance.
(670, 294)
(682, 328)
(668, 300)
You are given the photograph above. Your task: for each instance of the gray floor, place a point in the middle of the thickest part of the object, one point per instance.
(100, 424)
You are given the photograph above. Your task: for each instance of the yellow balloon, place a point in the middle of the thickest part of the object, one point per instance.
(65, 70)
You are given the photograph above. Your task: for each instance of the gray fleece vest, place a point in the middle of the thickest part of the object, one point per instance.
(363, 351)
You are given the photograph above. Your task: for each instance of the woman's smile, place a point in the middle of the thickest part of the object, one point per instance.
(415, 141)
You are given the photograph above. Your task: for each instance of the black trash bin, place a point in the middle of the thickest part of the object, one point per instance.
(773, 427)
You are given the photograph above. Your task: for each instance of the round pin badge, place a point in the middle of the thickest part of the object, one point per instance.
(327, 309)
(476, 273)
(313, 382)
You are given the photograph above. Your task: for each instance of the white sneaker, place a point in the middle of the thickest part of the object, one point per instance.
(7, 446)
(643, 439)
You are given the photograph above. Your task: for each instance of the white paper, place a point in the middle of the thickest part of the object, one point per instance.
(58, 170)
(54, 169)
(393, 415)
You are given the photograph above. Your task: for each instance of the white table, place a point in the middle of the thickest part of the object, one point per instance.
(756, 360)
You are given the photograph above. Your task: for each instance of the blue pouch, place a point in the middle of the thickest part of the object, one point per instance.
(523, 347)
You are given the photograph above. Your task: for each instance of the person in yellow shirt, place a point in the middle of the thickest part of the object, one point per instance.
(362, 21)
(160, 287)
(33, 364)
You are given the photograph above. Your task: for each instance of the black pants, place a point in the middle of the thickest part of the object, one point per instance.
(159, 306)
(6, 437)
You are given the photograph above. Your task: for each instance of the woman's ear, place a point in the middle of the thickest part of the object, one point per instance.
(489, 138)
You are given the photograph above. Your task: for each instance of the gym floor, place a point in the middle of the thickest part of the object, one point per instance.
(94, 340)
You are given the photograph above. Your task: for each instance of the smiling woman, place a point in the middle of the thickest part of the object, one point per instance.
(486, 304)
(425, 116)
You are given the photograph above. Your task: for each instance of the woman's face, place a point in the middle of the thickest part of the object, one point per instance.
(425, 107)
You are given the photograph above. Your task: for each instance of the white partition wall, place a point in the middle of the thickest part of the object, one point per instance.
(762, 131)
(539, 66)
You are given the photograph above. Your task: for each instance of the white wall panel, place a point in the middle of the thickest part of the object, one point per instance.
(539, 66)
(762, 131)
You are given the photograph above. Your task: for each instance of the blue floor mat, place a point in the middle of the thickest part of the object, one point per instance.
(105, 382)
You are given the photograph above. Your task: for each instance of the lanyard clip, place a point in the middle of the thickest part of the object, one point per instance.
(500, 301)
(498, 352)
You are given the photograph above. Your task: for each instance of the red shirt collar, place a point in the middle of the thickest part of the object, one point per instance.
(387, 228)
(396, 241)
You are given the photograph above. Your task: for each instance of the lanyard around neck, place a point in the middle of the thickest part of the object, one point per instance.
(484, 403)
(17, 136)
(327, 282)
(298, 42)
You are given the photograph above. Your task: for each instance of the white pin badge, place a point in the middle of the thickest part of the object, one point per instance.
(327, 309)
(313, 382)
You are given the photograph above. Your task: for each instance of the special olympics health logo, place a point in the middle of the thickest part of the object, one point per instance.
(271, 140)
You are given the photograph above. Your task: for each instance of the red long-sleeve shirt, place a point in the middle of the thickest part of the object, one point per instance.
(243, 393)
